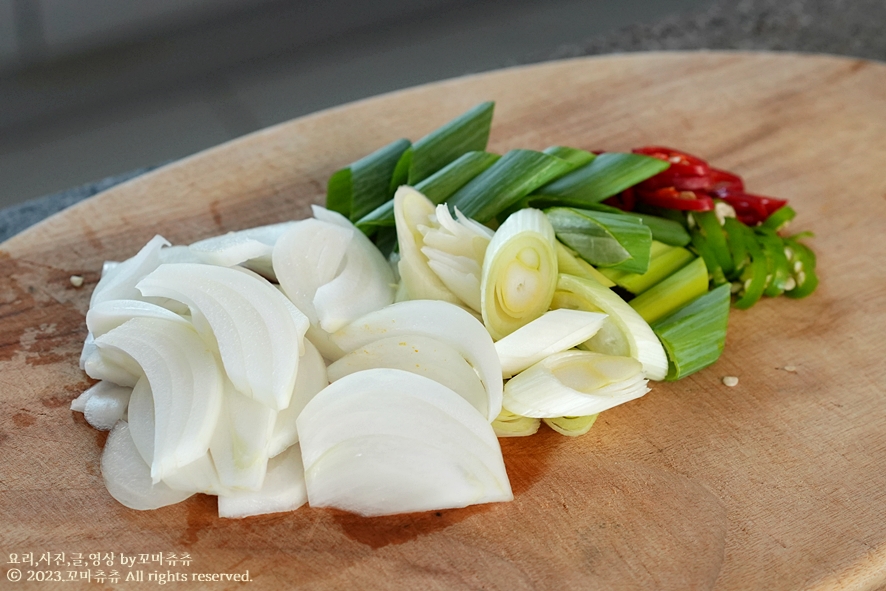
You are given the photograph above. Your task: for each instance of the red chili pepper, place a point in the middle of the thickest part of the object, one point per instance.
(724, 182)
(682, 164)
(671, 198)
(751, 209)
(625, 201)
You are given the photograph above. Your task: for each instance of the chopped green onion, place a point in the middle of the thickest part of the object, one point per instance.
(672, 293)
(664, 261)
(603, 239)
(358, 188)
(437, 187)
(571, 426)
(695, 335)
(467, 133)
(606, 175)
(575, 157)
(506, 182)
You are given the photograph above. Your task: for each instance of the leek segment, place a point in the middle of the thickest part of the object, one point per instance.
(606, 175)
(469, 132)
(519, 273)
(507, 424)
(664, 261)
(673, 292)
(455, 249)
(571, 426)
(515, 175)
(695, 335)
(571, 264)
(603, 239)
(623, 333)
(553, 332)
(360, 187)
(574, 383)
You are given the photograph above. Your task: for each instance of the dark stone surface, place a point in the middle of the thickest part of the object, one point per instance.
(842, 27)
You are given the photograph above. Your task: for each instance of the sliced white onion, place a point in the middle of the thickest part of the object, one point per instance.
(198, 476)
(178, 254)
(310, 254)
(413, 210)
(574, 383)
(258, 331)
(186, 382)
(128, 478)
(105, 404)
(88, 349)
(519, 272)
(385, 441)
(310, 380)
(100, 366)
(118, 283)
(283, 489)
(421, 355)
(554, 331)
(234, 248)
(239, 446)
(443, 321)
(108, 315)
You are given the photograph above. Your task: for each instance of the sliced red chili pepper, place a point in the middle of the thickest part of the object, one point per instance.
(679, 182)
(682, 164)
(751, 209)
(671, 198)
(724, 182)
(625, 201)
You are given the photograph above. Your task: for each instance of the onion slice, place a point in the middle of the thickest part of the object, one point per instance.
(105, 404)
(310, 380)
(239, 446)
(128, 478)
(283, 489)
(259, 333)
(118, 283)
(386, 441)
(443, 321)
(553, 332)
(186, 382)
(420, 355)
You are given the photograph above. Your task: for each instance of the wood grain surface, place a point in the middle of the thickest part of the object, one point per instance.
(777, 483)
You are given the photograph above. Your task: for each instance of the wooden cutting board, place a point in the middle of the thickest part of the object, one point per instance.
(777, 483)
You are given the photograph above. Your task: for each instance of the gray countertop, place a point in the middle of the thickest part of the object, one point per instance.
(841, 27)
